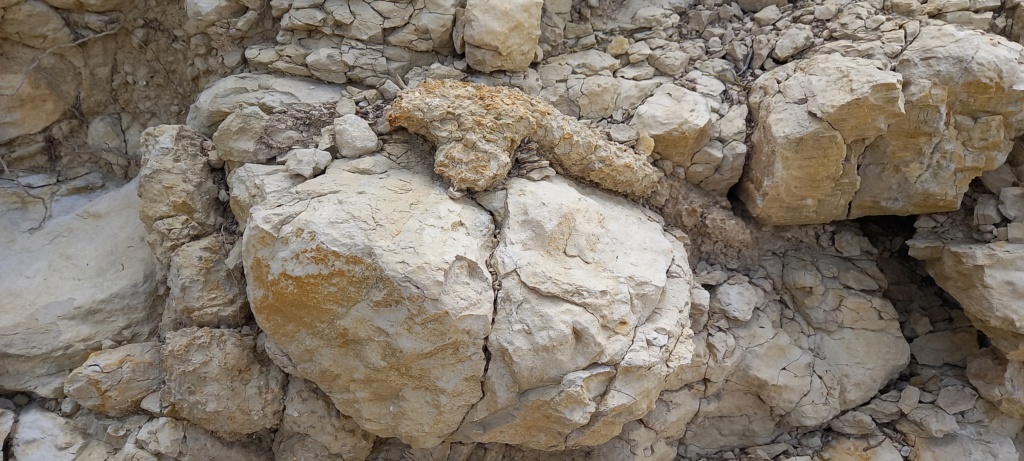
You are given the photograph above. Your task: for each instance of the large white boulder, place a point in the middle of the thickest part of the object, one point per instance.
(367, 272)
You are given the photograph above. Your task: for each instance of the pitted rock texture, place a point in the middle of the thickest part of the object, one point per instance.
(501, 36)
(612, 308)
(906, 141)
(529, 318)
(177, 190)
(216, 380)
(477, 128)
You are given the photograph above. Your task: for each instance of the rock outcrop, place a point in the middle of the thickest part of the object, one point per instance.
(814, 119)
(903, 142)
(524, 230)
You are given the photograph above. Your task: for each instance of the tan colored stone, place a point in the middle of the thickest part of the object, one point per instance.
(591, 318)
(177, 189)
(252, 184)
(964, 90)
(216, 380)
(477, 128)
(30, 100)
(35, 24)
(85, 276)
(502, 35)
(204, 291)
(678, 119)
(312, 426)
(114, 381)
(813, 118)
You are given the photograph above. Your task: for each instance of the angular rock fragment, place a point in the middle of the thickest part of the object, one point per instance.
(252, 184)
(115, 381)
(180, 440)
(238, 138)
(999, 381)
(503, 35)
(216, 380)
(268, 92)
(859, 329)
(42, 435)
(477, 128)
(813, 119)
(307, 162)
(312, 426)
(964, 92)
(179, 195)
(204, 291)
(35, 89)
(678, 119)
(354, 137)
(985, 280)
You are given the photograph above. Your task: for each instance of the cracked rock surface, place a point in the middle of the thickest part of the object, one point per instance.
(468, 230)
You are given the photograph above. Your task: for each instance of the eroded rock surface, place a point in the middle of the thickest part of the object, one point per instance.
(216, 380)
(115, 381)
(477, 129)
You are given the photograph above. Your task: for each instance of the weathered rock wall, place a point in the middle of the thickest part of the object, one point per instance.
(523, 230)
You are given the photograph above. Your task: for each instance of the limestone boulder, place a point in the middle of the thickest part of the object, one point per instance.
(501, 36)
(679, 120)
(813, 119)
(179, 195)
(369, 272)
(592, 317)
(83, 277)
(964, 94)
(216, 380)
(252, 184)
(859, 329)
(114, 381)
(985, 280)
(268, 92)
(999, 381)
